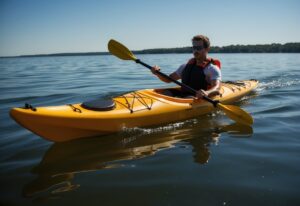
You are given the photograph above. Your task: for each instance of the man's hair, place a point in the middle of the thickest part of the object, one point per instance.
(205, 39)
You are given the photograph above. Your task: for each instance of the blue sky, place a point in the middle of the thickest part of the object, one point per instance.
(53, 26)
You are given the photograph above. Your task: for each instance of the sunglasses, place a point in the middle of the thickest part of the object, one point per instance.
(197, 48)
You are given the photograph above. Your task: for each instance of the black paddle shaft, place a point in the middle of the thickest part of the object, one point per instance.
(193, 91)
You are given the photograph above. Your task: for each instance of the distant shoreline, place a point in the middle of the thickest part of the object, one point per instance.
(257, 48)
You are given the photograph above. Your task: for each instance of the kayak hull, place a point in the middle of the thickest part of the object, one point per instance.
(142, 108)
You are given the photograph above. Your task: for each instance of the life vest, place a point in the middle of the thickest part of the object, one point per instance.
(207, 62)
(193, 75)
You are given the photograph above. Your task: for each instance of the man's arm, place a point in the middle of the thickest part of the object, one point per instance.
(174, 75)
(216, 86)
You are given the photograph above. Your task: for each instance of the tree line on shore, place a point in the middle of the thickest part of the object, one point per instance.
(258, 48)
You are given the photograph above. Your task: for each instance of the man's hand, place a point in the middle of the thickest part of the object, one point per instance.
(201, 93)
(155, 69)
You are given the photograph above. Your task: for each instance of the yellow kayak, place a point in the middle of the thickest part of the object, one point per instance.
(136, 109)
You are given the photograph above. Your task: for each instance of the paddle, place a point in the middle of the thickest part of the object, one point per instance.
(233, 112)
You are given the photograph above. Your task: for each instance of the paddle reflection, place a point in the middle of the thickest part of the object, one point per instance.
(62, 161)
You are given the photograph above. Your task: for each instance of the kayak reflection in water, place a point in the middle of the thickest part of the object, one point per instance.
(201, 73)
(63, 161)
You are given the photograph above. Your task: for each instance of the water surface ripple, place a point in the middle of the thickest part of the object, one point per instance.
(208, 160)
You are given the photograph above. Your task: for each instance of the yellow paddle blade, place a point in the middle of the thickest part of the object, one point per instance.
(237, 114)
(119, 50)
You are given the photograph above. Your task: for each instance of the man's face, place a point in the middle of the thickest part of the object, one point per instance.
(198, 49)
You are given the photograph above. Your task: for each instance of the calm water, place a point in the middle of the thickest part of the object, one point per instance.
(207, 161)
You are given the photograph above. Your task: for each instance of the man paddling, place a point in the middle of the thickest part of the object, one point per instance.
(200, 73)
(235, 113)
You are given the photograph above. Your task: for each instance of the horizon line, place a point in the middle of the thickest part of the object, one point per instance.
(144, 50)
